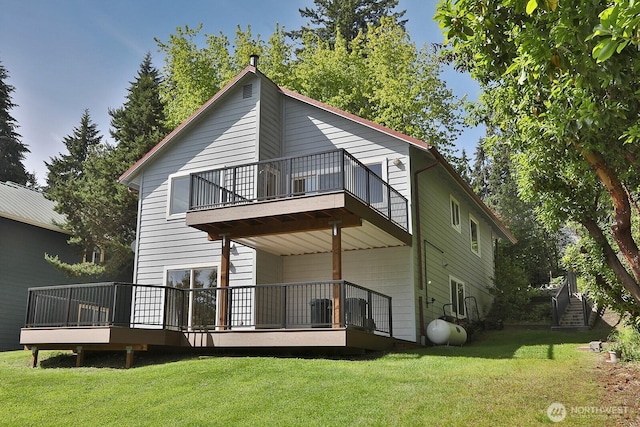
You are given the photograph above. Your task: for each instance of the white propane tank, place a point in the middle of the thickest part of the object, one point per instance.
(442, 332)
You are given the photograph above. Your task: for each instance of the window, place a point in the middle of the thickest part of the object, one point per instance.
(474, 232)
(457, 297)
(369, 186)
(271, 182)
(305, 184)
(455, 214)
(375, 183)
(95, 256)
(178, 194)
(201, 282)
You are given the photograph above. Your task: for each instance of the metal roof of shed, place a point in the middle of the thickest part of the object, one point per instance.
(29, 206)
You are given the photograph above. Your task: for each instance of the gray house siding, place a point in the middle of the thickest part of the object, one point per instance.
(384, 270)
(225, 136)
(241, 129)
(270, 121)
(447, 252)
(310, 130)
(22, 265)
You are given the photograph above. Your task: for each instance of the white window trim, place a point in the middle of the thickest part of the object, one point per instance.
(192, 267)
(474, 220)
(379, 161)
(452, 201)
(182, 174)
(464, 294)
(170, 179)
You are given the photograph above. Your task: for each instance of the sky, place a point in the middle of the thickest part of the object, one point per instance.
(66, 56)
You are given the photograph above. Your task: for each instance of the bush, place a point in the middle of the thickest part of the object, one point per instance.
(511, 291)
(627, 340)
(538, 313)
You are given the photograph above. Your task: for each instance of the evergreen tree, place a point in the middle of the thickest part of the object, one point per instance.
(140, 123)
(12, 151)
(346, 18)
(108, 209)
(461, 165)
(64, 178)
(480, 172)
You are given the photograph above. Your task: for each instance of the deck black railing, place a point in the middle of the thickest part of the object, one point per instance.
(279, 306)
(287, 177)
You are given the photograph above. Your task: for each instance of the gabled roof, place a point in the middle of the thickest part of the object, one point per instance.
(128, 178)
(29, 206)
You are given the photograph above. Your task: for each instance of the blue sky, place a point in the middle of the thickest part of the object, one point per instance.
(67, 55)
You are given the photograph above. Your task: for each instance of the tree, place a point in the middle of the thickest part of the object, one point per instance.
(192, 75)
(461, 165)
(65, 174)
(12, 151)
(480, 172)
(571, 120)
(384, 78)
(107, 211)
(346, 18)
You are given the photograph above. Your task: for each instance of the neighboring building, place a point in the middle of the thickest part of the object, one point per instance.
(28, 230)
(263, 186)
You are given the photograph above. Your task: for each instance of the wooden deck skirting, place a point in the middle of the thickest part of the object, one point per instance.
(132, 340)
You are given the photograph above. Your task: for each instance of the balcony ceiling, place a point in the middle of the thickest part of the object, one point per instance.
(301, 225)
(367, 236)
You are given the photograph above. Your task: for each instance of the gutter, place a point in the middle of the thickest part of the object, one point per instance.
(419, 239)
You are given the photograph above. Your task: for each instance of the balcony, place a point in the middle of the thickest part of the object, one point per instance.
(258, 203)
(112, 316)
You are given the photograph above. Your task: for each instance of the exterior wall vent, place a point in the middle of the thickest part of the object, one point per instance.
(247, 91)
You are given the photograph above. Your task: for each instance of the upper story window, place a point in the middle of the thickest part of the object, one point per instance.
(474, 232)
(178, 194)
(455, 214)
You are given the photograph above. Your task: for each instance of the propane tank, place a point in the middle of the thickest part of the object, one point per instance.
(442, 332)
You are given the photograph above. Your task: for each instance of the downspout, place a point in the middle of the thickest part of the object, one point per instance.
(423, 331)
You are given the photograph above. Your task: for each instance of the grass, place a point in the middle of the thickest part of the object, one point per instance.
(504, 378)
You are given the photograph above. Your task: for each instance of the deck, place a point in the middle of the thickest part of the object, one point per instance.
(121, 316)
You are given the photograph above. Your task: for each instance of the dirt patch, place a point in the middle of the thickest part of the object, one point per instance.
(621, 392)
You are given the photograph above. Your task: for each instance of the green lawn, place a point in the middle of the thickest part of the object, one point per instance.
(503, 378)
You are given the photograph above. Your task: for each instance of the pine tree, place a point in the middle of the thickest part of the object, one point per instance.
(461, 165)
(140, 123)
(109, 210)
(65, 175)
(480, 172)
(12, 151)
(347, 17)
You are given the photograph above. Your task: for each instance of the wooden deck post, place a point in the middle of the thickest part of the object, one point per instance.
(129, 360)
(34, 356)
(79, 356)
(224, 282)
(336, 251)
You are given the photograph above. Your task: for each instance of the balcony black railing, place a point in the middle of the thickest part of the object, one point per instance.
(288, 177)
(279, 306)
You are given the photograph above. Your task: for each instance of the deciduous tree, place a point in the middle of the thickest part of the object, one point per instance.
(571, 119)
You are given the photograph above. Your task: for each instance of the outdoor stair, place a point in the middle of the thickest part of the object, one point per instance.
(572, 319)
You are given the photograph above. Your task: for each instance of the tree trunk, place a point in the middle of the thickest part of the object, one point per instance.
(612, 259)
(621, 228)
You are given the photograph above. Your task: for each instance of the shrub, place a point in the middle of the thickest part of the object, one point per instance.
(627, 340)
(511, 291)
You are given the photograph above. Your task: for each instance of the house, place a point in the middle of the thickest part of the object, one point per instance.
(28, 229)
(269, 219)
